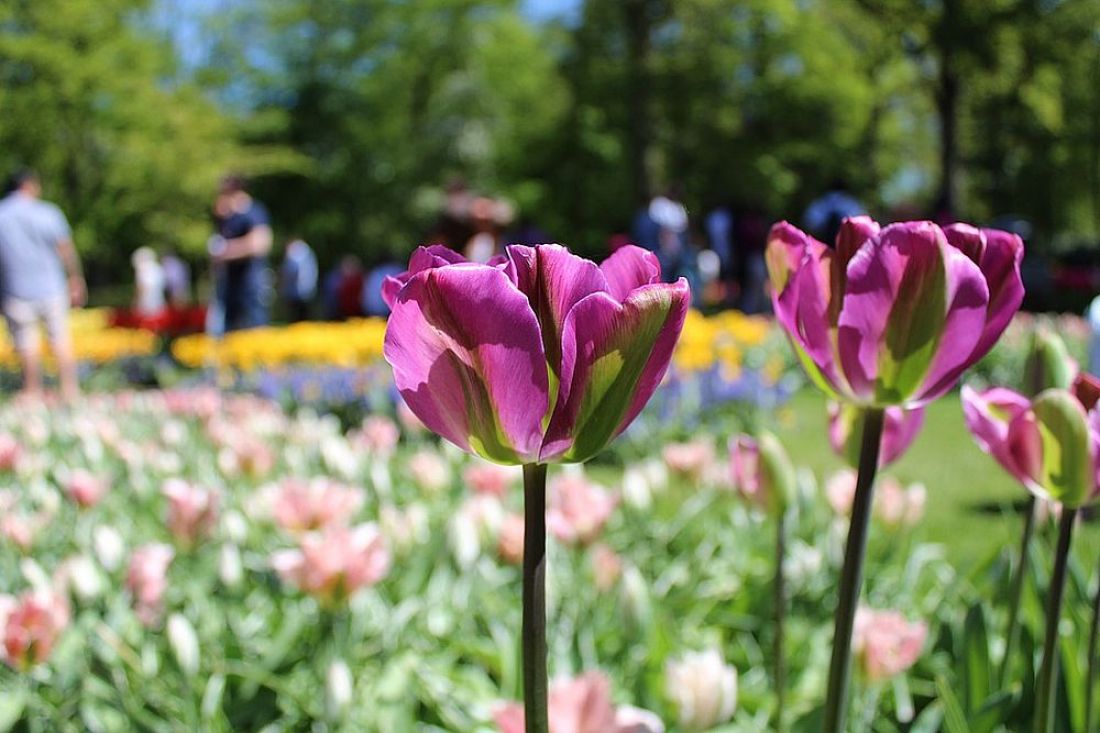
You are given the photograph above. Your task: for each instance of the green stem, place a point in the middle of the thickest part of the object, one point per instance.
(1048, 675)
(534, 599)
(780, 612)
(1017, 592)
(1090, 677)
(851, 575)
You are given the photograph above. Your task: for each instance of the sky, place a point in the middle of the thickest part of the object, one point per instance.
(181, 16)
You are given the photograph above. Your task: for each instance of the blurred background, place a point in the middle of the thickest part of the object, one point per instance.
(356, 120)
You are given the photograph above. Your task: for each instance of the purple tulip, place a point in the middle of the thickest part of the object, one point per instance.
(1050, 444)
(899, 429)
(535, 357)
(893, 316)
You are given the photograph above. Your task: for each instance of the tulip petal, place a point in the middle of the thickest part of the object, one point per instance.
(1067, 475)
(855, 231)
(628, 269)
(783, 255)
(968, 303)
(613, 357)
(424, 258)
(807, 309)
(912, 312)
(554, 280)
(989, 415)
(998, 254)
(466, 352)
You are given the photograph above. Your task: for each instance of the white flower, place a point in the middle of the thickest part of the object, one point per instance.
(109, 547)
(230, 570)
(184, 644)
(339, 688)
(704, 689)
(81, 576)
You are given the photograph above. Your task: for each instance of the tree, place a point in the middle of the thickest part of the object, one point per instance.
(86, 99)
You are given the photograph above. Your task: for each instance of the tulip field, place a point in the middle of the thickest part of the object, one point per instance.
(282, 541)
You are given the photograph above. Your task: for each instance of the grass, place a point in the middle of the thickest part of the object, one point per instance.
(974, 507)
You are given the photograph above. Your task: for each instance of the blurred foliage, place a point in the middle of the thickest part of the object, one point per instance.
(352, 115)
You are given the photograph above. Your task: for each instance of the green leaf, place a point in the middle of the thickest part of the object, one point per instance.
(11, 708)
(976, 669)
(954, 718)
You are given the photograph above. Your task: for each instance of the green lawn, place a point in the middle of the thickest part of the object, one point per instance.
(973, 505)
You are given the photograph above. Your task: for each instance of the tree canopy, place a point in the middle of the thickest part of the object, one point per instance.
(352, 115)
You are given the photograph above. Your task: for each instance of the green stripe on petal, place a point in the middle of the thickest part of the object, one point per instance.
(613, 356)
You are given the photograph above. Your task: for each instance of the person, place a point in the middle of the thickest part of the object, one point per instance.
(349, 290)
(373, 303)
(40, 279)
(177, 279)
(149, 283)
(488, 217)
(298, 279)
(825, 213)
(242, 245)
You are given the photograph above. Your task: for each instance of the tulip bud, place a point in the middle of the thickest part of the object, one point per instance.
(81, 576)
(1049, 364)
(34, 575)
(235, 526)
(635, 596)
(339, 688)
(230, 569)
(184, 644)
(1066, 470)
(703, 688)
(109, 547)
(636, 491)
(762, 473)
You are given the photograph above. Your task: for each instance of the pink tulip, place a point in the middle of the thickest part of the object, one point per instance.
(896, 506)
(378, 436)
(885, 644)
(147, 580)
(85, 489)
(542, 357)
(510, 539)
(490, 478)
(893, 316)
(192, 510)
(1050, 444)
(578, 509)
(304, 505)
(761, 472)
(30, 626)
(607, 567)
(21, 528)
(692, 459)
(582, 705)
(840, 491)
(334, 562)
(899, 429)
(429, 471)
(10, 452)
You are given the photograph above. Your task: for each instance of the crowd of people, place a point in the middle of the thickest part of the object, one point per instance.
(721, 253)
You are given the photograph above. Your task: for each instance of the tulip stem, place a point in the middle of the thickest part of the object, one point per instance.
(1048, 674)
(851, 575)
(780, 611)
(534, 599)
(1090, 676)
(1017, 591)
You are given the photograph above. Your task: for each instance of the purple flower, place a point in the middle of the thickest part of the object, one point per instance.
(899, 429)
(539, 356)
(1050, 444)
(893, 316)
